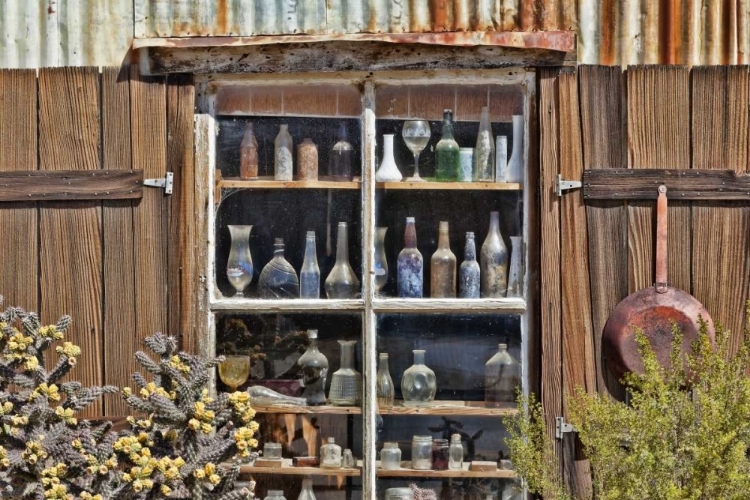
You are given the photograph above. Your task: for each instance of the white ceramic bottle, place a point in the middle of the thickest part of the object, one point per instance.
(388, 171)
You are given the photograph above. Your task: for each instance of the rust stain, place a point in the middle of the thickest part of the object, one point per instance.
(222, 13)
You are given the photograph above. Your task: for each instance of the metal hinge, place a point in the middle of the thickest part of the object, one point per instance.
(167, 183)
(562, 427)
(566, 185)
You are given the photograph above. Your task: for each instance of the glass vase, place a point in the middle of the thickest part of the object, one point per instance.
(278, 279)
(410, 265)
(330, 455)
(307, 161)
(388, 171)
(390, 456)
(240, 262)
(249, 154)
(342, 155)
(283, 162)
(346, 382)
(493, 261)
(307, 490)
(385, 390)
(446, 151)
(484, 153)
(515, 273)
(443, 266)
(468, 273)
(502, 375)
(309, 275)
(381, 262)
(342, 283)
(456, 461)
(418, 384)
(314, 367)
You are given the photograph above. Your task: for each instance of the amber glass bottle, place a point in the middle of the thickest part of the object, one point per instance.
(443, 266)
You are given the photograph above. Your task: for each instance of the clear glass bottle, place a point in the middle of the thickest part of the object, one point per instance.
(342, 156)
(502, 375)
(400, 493)
(515, 163)
(278, 279)
(283, 162)
(249, 154)
(381, 262)
(348, 461)
(314, 367)
(263, 396)
(456, 461)
(440, 454)
(330, 455)
(410, 265)
(446, 151)
(307, 490)
(421, 453)
(515, 273)
(240, 262)
(309, 275)
(468, 273)
(418, 384)
(275, 495)
(443, 266)
(307, 161)
(346, 382)
(390, 456)
(493, 261)
(384, 383)
(341, 282)
(484, 153)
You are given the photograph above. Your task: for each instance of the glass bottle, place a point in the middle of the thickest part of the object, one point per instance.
(502, 375)
(283, 147)
(341, 282)
(468, 273)
(421, 453)
(275, 495)
(240, 262)
(346, 382)
(390, 456)
(314, 367)
(388, 170)
(400, 493)
(348, 461)
(309, 275)
(263, 396)
(440, 454)
(307, 490)
(418, 384)
(515, 163)
(443, 266)
(456, 461)
(342, 156)
(446, 151)
(465, 164)
(330, 455)
(484, 153)
(307, 161)
(515, 274)
(278, 280)
(249, 154)
(381, 262)
(493, 261)
(410, 265)
(385, 390)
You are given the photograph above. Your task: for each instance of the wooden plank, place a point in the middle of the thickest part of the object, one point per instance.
(71, 185)
(284, 305)
(682, 184)
(429, 101)
(269, 183)
(117, 227)
(71, 250)
(721, 240)
(452, 186)
(435, 306)
(287, 469)
(19, 276)
(407, 471)
(204, 329)
(658, 135)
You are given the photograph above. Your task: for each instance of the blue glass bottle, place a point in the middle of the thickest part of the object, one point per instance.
(410, 267)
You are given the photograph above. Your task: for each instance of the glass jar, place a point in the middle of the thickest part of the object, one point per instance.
(421, 453)
(272, 451)
(502, 374)
(275, 495)
(440, 452)
(399, 494)
(456, 460)
(348, 461)
(330, 455)
(390, 456)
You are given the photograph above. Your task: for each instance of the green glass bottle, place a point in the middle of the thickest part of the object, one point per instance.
(446, 151)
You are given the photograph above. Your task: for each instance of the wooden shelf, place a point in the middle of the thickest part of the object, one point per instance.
(288, 469)
(448, 408)
(291, 305)
(309, 410)
(499, 306)
(270, 183)
(456, 186)
(405, 471)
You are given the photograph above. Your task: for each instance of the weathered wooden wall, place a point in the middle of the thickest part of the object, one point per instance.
(119, 268)
(595, 253)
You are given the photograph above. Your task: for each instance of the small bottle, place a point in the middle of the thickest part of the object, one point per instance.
(314, 366)
(484, 153)
(307, 490)
(468, 274)
(493, 261)
(330, 455)
(440, 454)
(410, 265)
(249, 154)
(283, 147)
(307, 161)
(390, 456)
(342, 282)
(456, 461)
(309, 275)
(502, 375)
(342, 156)
(348, 461)
(446, 152)
(384, 383)
(421, 453)
(443, 266)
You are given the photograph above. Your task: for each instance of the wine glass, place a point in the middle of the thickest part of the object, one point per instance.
(234, 370)
(416, 134)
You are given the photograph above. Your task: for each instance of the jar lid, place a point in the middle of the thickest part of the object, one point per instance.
(390, 444)
(398, 491)
(456, 437)
(272, 446)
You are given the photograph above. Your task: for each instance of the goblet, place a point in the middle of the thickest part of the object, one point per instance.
(416, 134)
(234, 370)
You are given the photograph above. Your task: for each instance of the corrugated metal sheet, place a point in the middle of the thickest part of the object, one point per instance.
(42, 33)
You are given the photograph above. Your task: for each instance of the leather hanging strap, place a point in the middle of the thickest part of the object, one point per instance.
(662, 234)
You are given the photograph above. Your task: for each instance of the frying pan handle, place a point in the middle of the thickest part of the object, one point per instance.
(662, 235)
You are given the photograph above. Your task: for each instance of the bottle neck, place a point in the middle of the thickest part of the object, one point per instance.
(418, 357)
(342, 244)
(314, 344)
(383, 366)
(310, 248)
(410, 235)
(471, 249)
(447, 128)
(494, 222)
(443, 236)
(278, 250)
(347, 354)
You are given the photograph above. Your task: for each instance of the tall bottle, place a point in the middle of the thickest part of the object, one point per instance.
(493, 261)
(342, 283)
(443, 266)
(314, 367)
(484, 153)
(468, 274)
(249, 154)
(283, 147)
(278, 279)
(342, 155)
(456, 461)
(446, 151)
(502, 375)
(384, 383)
(307, 490)
(410, 265)
(309, 275)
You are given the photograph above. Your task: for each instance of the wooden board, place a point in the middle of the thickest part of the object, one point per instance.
(433, 306)
(19, 275)
(71, 185)
(405, 471)
(682, 184)
(287, 469)
(71, 248)
(460, 186)
(270, 183)
(721, 240)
